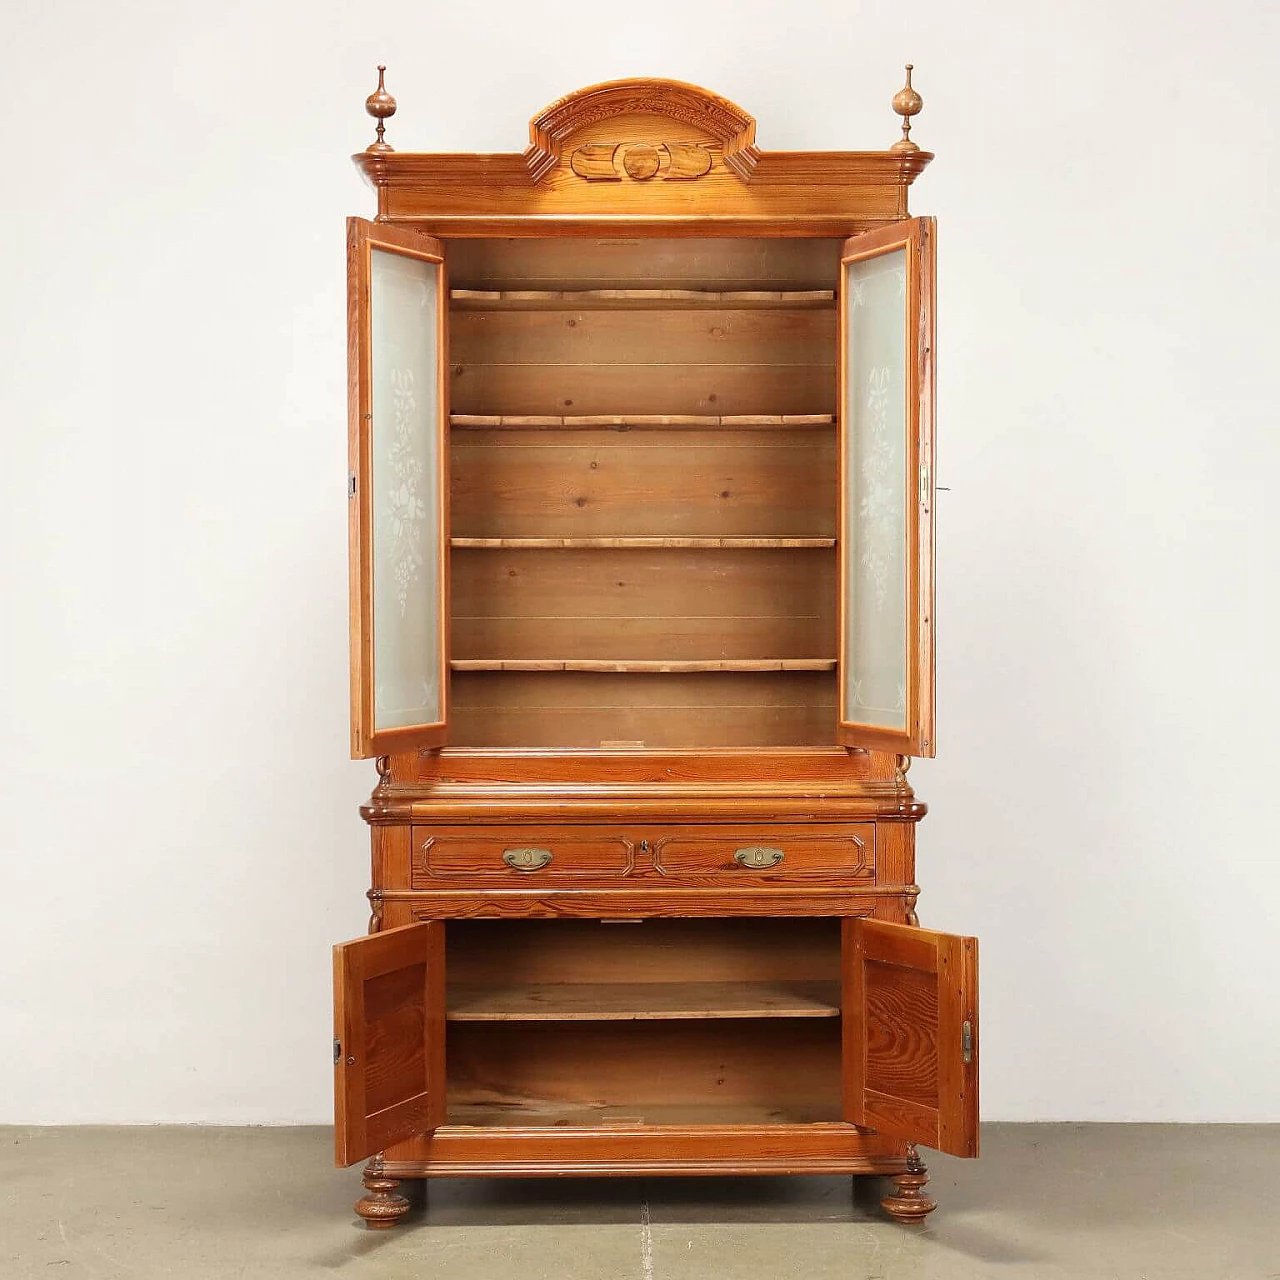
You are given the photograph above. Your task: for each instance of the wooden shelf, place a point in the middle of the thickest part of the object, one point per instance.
(626, 421)
(524, 1114)
(642, 1001)
(641, 543)
(647, 665)
(635, 299)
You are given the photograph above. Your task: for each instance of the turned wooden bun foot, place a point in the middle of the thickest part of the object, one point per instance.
(382, 1207)
(908, 1202)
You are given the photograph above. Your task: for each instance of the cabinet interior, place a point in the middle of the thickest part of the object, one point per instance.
(644, 492)
(568, 1022)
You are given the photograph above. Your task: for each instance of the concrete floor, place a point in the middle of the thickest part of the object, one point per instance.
(1047, 1201)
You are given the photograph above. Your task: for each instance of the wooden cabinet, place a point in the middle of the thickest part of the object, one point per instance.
(641, 499)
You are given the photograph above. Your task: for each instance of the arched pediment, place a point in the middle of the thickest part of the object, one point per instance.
(696, 116)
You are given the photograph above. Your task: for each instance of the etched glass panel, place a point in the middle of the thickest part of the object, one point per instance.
(875, 648)
(407, 675)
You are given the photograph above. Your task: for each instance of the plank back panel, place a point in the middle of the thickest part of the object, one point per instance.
(718, 1063)
(676, 387)
(585, 710)
(569, 336)
(692, 262)
(558, 483)
(674, 603)
(493, 952)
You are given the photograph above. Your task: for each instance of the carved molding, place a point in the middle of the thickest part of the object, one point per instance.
(858, 866)
(551, 132)
(481, 863)
(640, 161)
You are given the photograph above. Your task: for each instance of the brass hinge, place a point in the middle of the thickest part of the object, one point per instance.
(337, 1052)
(966, 1041)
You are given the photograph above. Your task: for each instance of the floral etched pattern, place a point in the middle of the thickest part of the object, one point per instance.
(877, 506)
(874, 653)
(405, 511)
(406, 477)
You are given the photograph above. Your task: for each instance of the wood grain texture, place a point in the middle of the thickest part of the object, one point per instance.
(647, 666)
(836, 854)
(788, 193)
(640, 421)
(652, 341)
(808, 194)
(654, 1114)
(641, 543)
(641, 1001)
(666, 300)
(908, 992)
(621, 1149)
(812, 771)
(708, 1064)
(672, 901)
(589, 709)
(475, 854)
(672, 602)
(752, 486)
(617, 104)
(763, 951)
(683, 262)
(901, 1032)
(671, 387)
(389, 1028)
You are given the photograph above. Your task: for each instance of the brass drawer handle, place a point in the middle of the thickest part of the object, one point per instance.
(758, 857)
(526, 859)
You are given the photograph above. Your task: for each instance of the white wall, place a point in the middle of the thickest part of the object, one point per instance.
(180, 842)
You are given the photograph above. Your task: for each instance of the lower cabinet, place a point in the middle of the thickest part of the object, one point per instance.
(537, 1045)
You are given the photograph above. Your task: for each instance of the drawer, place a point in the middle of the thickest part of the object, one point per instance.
(776, 853)
(518, 853)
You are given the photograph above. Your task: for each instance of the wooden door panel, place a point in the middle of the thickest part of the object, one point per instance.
(911, 1034)
(388, 1030)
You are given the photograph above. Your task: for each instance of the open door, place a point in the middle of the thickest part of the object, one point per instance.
(886, 489)
(397, 307)
(388, 1039)
(911, 1034)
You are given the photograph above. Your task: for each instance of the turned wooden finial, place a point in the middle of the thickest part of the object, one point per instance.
(907, 103)
(382, 106)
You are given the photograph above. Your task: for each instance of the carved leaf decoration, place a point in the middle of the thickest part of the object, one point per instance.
(711, 119)
(640, 161)
(595, 162)
(688, 160)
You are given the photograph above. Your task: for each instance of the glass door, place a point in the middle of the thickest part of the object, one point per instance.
(886, 489)
(398, 488)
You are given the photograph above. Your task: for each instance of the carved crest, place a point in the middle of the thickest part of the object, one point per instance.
(717, 120)
(640, 161)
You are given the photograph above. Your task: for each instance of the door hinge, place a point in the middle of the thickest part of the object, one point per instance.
(337, 1051)
(966, 1042)
(924, 485)
(351, 484)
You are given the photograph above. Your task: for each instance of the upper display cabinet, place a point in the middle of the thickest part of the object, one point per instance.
(641, 438)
